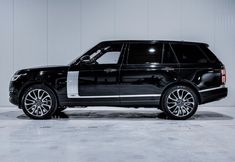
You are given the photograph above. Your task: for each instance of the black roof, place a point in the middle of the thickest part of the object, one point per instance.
(152, 41)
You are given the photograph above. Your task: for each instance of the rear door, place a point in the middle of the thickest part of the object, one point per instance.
(143, 74)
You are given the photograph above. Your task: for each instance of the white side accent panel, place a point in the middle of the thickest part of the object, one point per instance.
(72, 84)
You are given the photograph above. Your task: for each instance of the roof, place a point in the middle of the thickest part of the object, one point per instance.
(153, 41)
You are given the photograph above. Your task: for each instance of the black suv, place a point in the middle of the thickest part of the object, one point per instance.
(175, 76)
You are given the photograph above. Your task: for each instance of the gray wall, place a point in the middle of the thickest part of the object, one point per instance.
(45, 32)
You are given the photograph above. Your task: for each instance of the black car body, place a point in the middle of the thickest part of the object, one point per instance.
(139, 74)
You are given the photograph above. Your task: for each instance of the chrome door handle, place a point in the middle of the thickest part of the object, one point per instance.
(168, 69)
(110, 70)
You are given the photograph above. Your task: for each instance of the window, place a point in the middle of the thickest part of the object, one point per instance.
(189, 53)
(168, 56)
(109, 58)
(108, 54)
(209, 54)
(144, 53)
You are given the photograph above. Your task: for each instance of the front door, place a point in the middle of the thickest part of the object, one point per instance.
(98, 80)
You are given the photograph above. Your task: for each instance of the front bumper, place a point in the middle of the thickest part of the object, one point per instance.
(213, 94)
(13, 94)
(13, 100)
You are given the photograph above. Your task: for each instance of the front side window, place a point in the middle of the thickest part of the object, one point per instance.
(189, 53)
(108, 54)
(144, 53)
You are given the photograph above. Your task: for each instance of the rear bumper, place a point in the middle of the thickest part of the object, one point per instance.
(213, 94)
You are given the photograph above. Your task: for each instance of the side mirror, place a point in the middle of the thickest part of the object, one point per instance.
(85, 59)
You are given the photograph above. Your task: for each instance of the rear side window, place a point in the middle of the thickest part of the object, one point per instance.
(143, 53)
(168, 55)
(189, 53)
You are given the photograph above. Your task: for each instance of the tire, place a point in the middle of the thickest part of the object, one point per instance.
(39, 102)
(179, 102)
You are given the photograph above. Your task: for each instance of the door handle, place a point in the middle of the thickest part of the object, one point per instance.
(168, 69)
(110, 70)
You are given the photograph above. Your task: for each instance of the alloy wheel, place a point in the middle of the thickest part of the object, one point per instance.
(38, 102)
(180, 102)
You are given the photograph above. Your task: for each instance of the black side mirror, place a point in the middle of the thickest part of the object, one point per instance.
(85, 59)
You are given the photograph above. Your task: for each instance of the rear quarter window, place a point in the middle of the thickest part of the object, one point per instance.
(189, 53)
(209, 54)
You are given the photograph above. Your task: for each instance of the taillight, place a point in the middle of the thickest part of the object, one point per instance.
(223, 76)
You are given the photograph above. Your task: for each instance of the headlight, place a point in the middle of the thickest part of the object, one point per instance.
(16, 76)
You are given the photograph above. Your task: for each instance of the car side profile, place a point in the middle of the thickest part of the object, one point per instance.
(174, 76)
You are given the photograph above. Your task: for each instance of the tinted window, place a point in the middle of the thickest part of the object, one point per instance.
(168, 56)
(189, 53)
(209, 54)
(108, 54)
(145, 53)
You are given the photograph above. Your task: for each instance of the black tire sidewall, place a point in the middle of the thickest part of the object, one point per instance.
(52, 95)
(164, 101)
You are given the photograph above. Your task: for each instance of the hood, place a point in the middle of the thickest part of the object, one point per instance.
(44, 68)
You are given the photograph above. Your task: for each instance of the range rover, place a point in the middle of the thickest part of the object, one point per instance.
(174, 76)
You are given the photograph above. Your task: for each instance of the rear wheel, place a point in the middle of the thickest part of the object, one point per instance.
(39, 102)
(179, 102)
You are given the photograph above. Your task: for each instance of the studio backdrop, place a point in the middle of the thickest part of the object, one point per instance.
(52, 32)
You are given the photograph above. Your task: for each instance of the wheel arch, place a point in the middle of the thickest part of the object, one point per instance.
(26, 86)
(183, 83)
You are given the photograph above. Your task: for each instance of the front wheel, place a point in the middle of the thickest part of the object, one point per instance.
(39, 102)
(179, 102)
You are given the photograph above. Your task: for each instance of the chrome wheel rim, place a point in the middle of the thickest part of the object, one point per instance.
(180, 102)
(37, 102)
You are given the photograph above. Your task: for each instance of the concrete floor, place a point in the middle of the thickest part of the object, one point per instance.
(116, 134)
